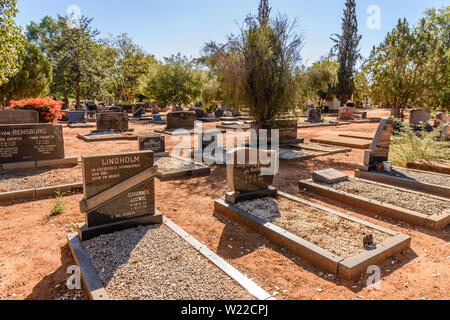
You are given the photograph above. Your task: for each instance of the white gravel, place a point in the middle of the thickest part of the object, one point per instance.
(154, 263)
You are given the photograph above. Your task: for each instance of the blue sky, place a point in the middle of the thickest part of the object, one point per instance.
(165, 27)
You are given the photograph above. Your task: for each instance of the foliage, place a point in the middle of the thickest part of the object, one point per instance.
(40, 34)
(255, 69)
(59, 206)
(347, 48)
(318, 82)
(33, 78)
(11, 40)
(177, 81)
(79, 63)
(131, 65)
(409, 147)
(264, 12)
(210, 96)
(49, 110)
(412, 65)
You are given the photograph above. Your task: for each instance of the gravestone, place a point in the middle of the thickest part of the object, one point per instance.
(112, 121)
(245, 177)
(379, 150)
(199, 113)
(115, 109)
(77, 117)
(154, 142)
(441, 118)
(138, 111)
(445, 133)
(419, 115)
(395, 112)
(182, 119)
(219, 113)
(18, 116)
(177, 109)
(119, 193)
(346, 113)
(31, 142)
(314, 115)
(329, 176)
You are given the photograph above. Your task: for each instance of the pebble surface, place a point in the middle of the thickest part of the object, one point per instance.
(425, 177)
(154, 263)
(37, 178)
(328, 231)
(407, 200)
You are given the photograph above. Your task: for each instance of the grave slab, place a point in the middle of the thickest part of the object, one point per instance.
(343, 142)
(329, 176)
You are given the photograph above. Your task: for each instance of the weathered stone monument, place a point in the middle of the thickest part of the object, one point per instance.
(445, 134)
(138, 111)
(155, 143)
(245, 175)
(119, 193)
(419, 115)
(314, 115)
(379, 150)
(181, 119)
(32, 145)
(10, 116)
(77, 117)
(346, 113)
(112, 121)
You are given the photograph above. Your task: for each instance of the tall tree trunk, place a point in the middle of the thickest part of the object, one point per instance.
(78, 94)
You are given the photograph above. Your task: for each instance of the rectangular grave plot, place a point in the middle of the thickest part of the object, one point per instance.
(435, 184)
(103, 172)
(343, 142)
(137, 202)
(349, 266)
(171, 168)
(433, 221)
(33, 142)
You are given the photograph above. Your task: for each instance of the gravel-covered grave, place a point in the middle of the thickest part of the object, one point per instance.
(38, 178)
(169, 164)
(417, 202)
(154, 263)
(328, 231)
(424, 177)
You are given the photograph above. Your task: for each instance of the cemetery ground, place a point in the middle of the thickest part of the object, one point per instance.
(34, 255)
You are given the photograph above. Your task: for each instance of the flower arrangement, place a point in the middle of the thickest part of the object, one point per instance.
(49, 110)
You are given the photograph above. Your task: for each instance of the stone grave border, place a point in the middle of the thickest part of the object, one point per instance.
(79, 125)
(347, 269)
(307, 125)
(114, 136)
(171, 132)
(202, 171)
(337, 149)
(428, 188)
(8, 198)
(429, 167)
(67, 161)
(95, 290)
(434, 222)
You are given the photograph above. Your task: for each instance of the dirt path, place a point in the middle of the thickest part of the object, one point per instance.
(34, 256)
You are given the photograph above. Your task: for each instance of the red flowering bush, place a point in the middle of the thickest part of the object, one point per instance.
(49, 110)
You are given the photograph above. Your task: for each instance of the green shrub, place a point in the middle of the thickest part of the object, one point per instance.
(408, 147)
(59, 206)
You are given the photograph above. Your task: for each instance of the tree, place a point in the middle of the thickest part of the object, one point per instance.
(264, 12)
(78, 61)
(256, 68)
(177, 81)
(33, 78)
(40, 33)
(395, 68)
(347, 48)
(131, 65)
(11, 40)
(433, 34)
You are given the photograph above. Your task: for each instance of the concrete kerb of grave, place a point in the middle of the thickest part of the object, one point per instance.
(347, 269)
(68, 161)
(39, 193)
(442, 168)
(428, 188)
(325, 124)
(434, 222)
(107, 136)
(95, 289)
(195, 172)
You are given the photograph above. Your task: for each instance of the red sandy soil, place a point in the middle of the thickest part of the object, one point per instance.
(34, 256)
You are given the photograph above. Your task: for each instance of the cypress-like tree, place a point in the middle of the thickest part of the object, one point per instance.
(347, 48)
(264, 11)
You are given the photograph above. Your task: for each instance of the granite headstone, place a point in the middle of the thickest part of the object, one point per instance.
(155, 143)
(181, 119)
(10, 116)
(112, 121)
(379, 150)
